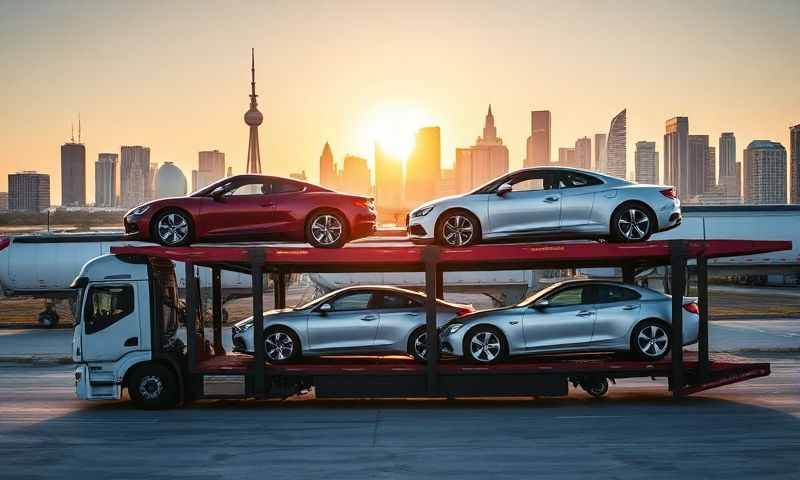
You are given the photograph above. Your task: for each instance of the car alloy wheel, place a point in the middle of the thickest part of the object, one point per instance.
(421, 346)
(458, 230)
(172, 228)
(653, 341)
(634, 224)
(326, 229)
(279, 346)
(485, 346)
(151, 387)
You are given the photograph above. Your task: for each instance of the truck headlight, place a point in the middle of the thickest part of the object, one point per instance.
(421, 212)
(454, 328)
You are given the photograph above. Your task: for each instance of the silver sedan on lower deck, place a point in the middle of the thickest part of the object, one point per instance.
(572, 316)
(353, 320)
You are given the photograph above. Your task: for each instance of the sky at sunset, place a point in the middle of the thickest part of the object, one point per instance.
(174, 76)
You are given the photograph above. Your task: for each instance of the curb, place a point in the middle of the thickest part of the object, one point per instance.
(36, 359)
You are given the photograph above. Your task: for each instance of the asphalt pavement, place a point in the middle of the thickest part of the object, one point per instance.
(748, 430)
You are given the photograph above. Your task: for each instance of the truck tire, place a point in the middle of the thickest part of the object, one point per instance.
(48, 319)
(153, 386)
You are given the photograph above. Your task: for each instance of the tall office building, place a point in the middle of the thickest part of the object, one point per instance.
(28, 191)
(328, 171)
(764, 173)
(447, 183)
(253, 119)
(169, 181)
(794, 148)
(538, 147)
(616, 147)
(210, 168)
(676, 154)
(698, 159)
(727, 165)
(600, 153)
(566, 157)
(73, 173)
(646, 163)
(710, 170)
(739, 180)
(356, 176)
(583, 153)
(485, 160)
(388, 181)
(423, 170)
(3, 201)
(134, 171)
(105, 180)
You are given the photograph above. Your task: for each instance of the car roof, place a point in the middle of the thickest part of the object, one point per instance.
(385, 288)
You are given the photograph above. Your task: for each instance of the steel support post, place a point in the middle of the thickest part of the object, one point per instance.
(678, 266)
(628, 274)
(191, 316)
(430, 256)
(257, 268)
(702, 334)
(216, 309)
(439, 284)
(279, 290)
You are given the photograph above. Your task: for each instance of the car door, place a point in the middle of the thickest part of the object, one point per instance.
(400, 314)
(577, 198)
(617, 309)
(350, 325)
(532, 206)
(284, 197)
(567, 321)
(244, 210)
(110, 322)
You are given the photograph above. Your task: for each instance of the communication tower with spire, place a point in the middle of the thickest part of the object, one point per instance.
(253, 119)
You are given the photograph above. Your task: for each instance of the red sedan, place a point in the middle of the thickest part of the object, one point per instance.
(255, 207)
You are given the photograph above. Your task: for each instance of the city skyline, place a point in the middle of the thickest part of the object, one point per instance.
(311, 94)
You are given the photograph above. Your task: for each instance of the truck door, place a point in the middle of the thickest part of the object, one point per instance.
(110, 322)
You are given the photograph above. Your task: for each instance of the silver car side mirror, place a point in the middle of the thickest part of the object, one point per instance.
(542, 304)
(503, 189)
(325, 308)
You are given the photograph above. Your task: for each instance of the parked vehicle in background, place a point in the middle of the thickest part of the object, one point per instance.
(572, 316)
(255, 207)
(353, 320)
(548, 202)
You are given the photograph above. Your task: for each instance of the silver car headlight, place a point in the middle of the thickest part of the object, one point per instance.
(421, 212)
(140, 210)
(454, 328)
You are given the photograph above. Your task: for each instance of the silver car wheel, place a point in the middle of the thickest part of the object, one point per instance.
(458, 230)
(421, 345)
(279, 346)
(652, 341)
(150, 387)
(634, 224)
(485, 346)
(172, 228)
(326, 229)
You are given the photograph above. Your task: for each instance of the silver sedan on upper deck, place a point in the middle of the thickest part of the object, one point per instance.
(548, 202)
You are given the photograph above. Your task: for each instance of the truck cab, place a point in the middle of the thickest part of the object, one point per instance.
(126, 318)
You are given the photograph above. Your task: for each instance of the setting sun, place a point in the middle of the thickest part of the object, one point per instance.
(393, 128)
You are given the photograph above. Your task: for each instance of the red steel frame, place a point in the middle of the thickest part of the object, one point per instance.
(686, 375)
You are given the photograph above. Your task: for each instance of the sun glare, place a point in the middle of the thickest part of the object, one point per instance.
(394, 127)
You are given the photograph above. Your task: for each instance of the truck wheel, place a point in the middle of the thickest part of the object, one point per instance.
(596, 387)
(153, 386)
(48, 318)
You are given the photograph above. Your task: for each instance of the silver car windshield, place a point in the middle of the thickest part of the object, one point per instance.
(536, 296)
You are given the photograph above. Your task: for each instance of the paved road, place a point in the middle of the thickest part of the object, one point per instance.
(751, 430)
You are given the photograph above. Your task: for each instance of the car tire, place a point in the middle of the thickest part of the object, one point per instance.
(322, 228)
(417, 346)
(651, 340)
(458, 228)
(485, 345)
(281, 345)
(172, 228)
(632, 222)
(153, 386)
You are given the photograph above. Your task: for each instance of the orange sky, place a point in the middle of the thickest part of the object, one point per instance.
(175, 76)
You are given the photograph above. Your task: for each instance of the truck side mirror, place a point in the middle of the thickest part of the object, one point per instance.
(503, 189)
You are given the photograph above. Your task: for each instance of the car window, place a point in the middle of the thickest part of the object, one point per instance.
(531, 181)
(353, 301)
(107, 305)
(285, 186)
(612, 293)
(570, 296)
(575, 180)
(395, 300)
(249, 189)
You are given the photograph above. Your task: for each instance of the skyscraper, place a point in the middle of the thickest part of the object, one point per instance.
(485, 160)
(210, 168)
(328, 173)
(794, 148)
(28, 191)
(388, 181)
(566, 157)
(676, 154)
(169, 181)
(356, 176)
(105, 180)
(583, 153)
(538, 147)
(710, 183)
(698, 159)
(253, 119)
(600, 153)
(727, 165)
(646, 162)
(73, 172)
(423, 170)
(616, 148)
(134, 170)
(764, 172)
